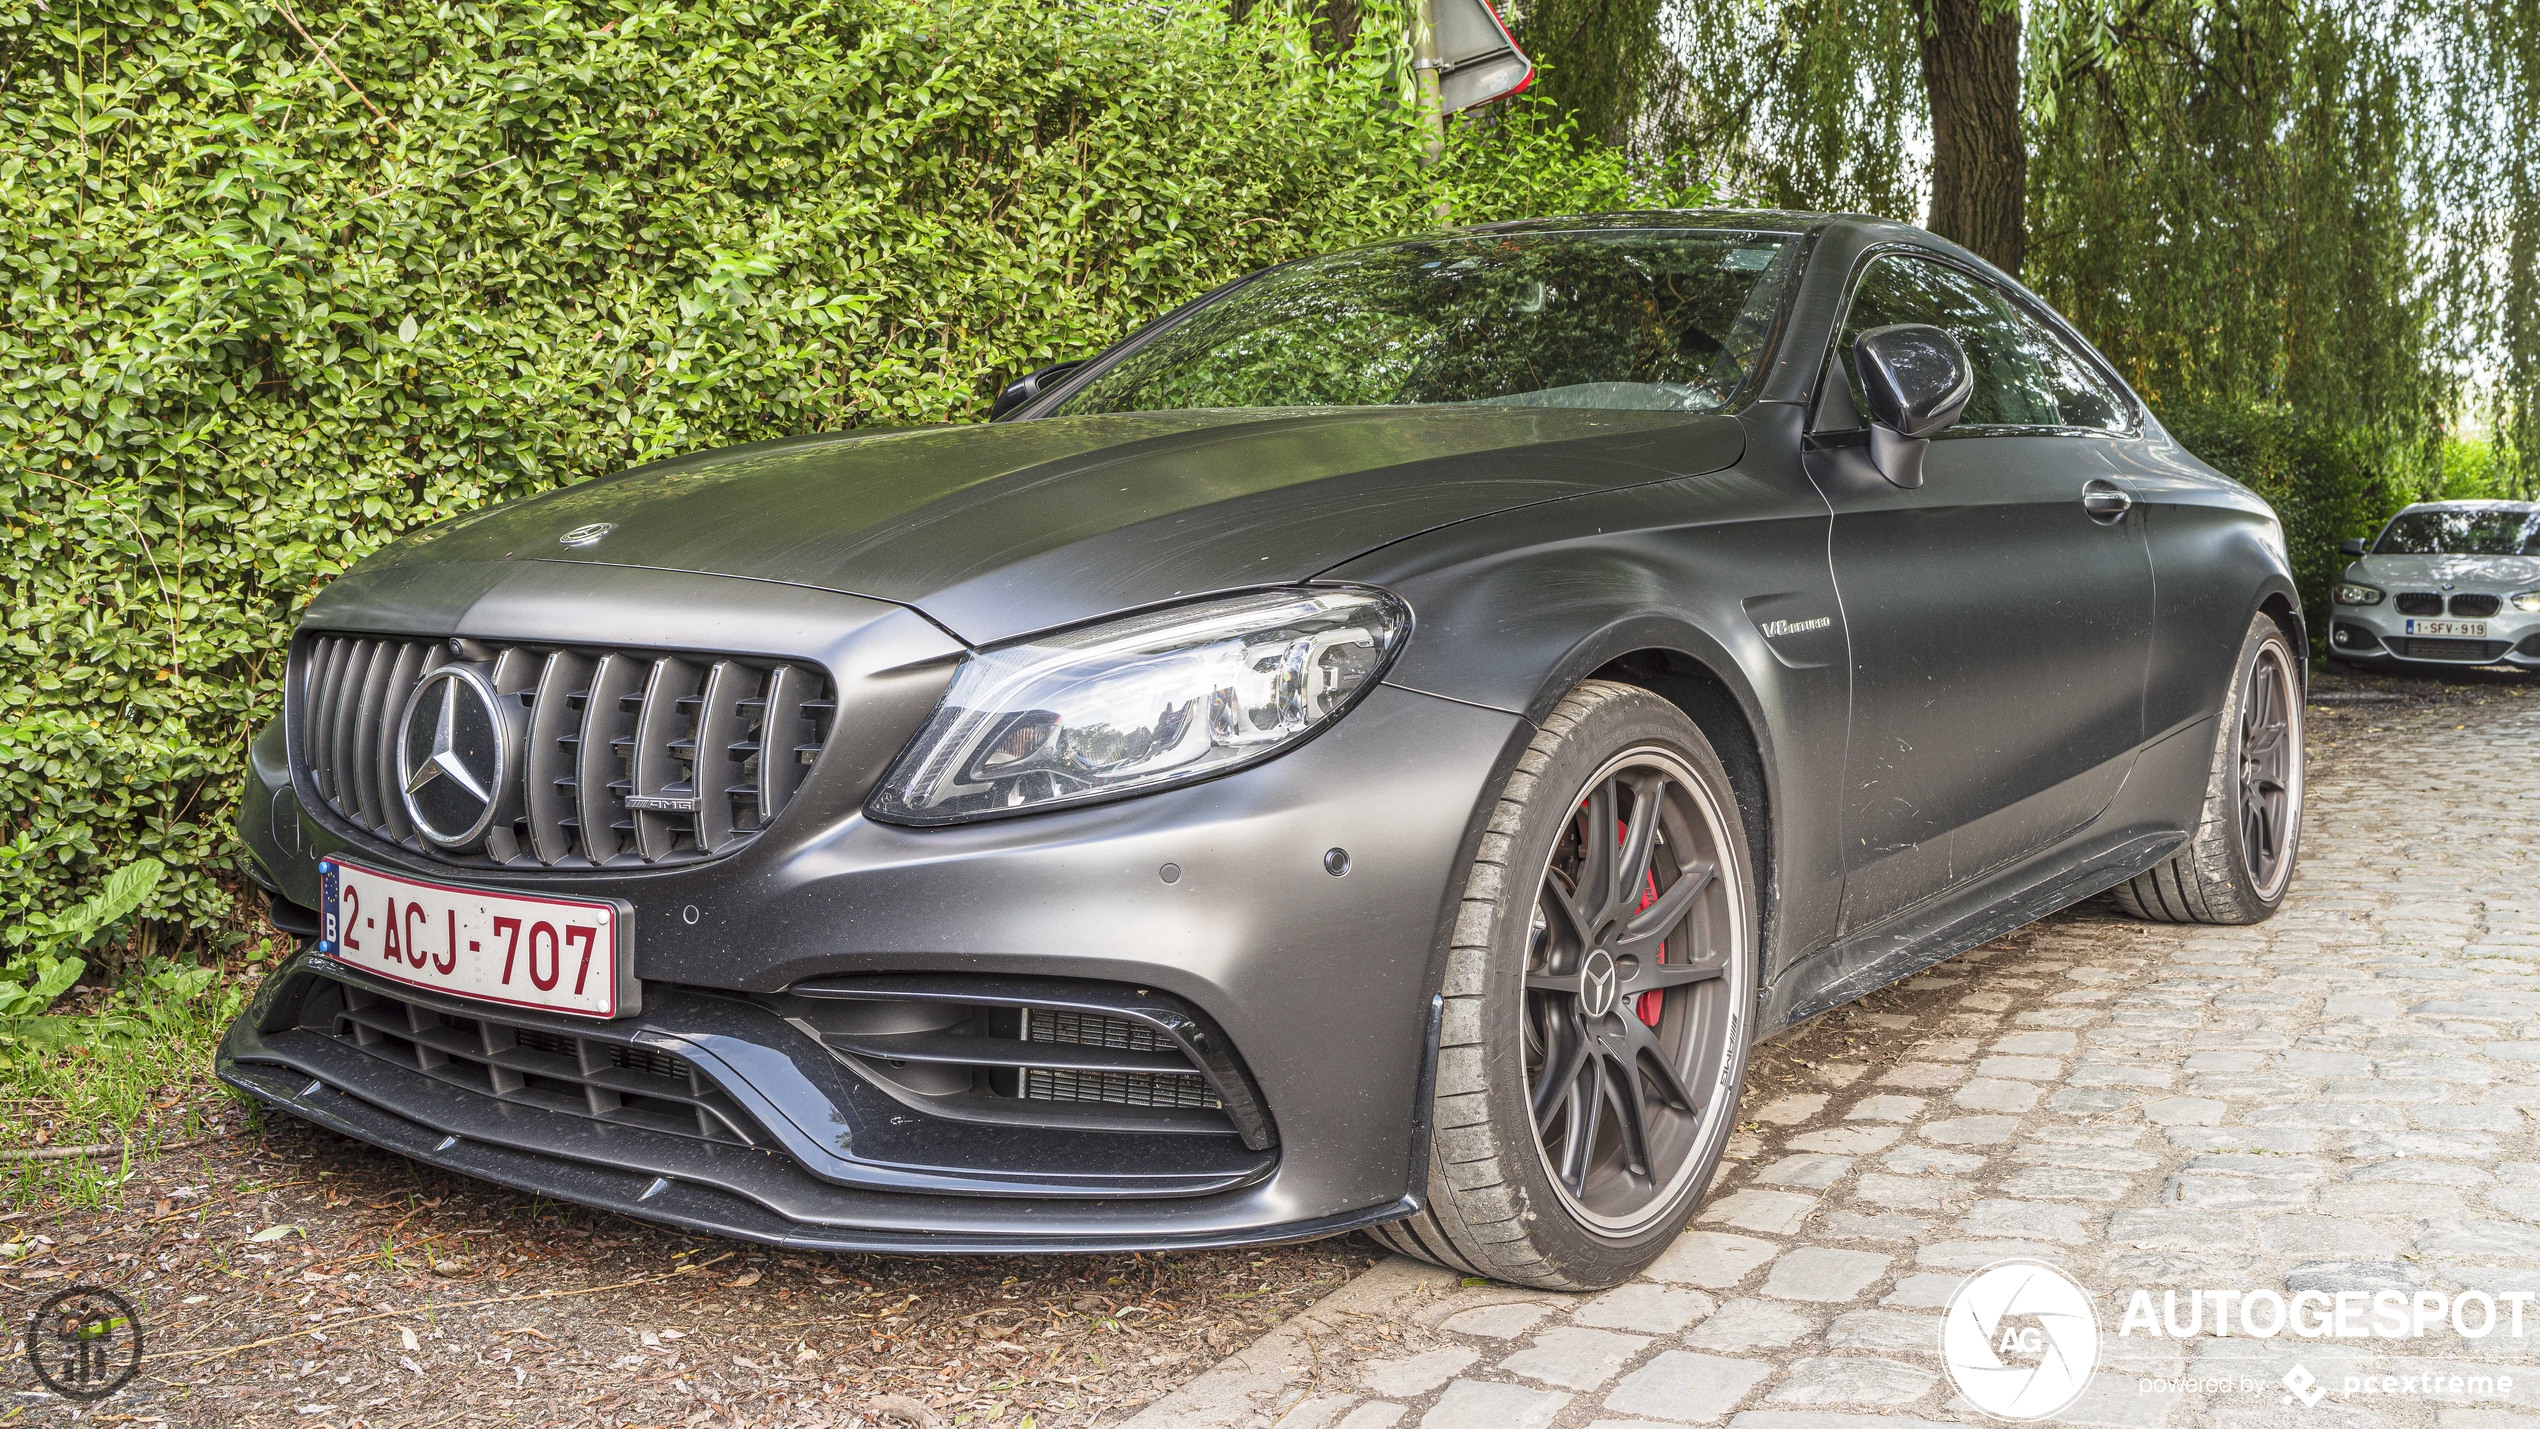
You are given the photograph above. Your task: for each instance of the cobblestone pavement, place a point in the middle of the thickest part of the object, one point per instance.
(2339, 1099)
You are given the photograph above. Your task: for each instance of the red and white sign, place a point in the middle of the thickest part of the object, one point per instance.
(553, 954)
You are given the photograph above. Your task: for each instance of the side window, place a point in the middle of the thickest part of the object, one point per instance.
(2082, 397)
(2012, 386)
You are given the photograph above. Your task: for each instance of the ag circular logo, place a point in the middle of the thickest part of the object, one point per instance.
(453, 756)
(2020, 1340)
(85, 1343)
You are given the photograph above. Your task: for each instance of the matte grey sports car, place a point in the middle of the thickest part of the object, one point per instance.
(1375, 749)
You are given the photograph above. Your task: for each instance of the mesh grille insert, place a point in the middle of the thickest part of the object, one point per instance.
(1118, 1034)
(2476, 606)
(531, 1066)
(2425, 648)
(617, 757)
(2420, 602)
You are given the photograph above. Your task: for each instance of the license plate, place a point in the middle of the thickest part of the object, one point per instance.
(554, 954)
(2469, 629)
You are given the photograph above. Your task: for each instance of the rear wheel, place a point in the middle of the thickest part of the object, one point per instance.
(1600, 999)
(2240, 862)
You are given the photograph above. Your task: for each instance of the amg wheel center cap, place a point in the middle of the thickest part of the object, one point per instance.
(452, 757)
(1599, 983)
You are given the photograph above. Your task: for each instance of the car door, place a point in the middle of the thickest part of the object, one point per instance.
(1999, 630)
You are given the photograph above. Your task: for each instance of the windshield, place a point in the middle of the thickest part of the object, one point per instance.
(2492, 531)
(1664, 321)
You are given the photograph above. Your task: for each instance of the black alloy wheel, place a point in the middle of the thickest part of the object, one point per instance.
(1631, 991)
(2270, 769)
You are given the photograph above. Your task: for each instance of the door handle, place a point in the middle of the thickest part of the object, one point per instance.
(2106, 502)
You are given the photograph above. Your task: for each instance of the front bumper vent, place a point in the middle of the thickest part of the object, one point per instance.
(2477, 607)
(2419, 602)
(2475, 652)
(614, 1082)
(1037, 1052)
(617, 756)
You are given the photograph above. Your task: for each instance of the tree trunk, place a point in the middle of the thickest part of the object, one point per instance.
(1979, 159)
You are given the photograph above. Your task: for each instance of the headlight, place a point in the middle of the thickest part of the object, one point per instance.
(2357, 595)
(1139, 704)
(2526, 600)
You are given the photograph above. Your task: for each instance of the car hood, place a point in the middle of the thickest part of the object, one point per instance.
(1000, 530)
(2503, 574)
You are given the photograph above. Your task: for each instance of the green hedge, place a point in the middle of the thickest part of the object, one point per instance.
(283, 283)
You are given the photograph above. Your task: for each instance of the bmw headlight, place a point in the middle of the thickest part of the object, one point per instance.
(2349, 594)
(2527, 600)
(1142, 703)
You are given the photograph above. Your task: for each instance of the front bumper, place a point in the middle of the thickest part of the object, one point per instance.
(1322, 986)
(2378, 635)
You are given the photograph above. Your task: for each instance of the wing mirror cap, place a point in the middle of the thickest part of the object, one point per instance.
(2351, 546)
(1023, 389)
(1916, 377)
(1916, 381)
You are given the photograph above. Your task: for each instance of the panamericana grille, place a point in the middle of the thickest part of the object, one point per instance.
(2425, 648)
(1085, 1029)
(620, 756)
(2477, 607)
(530, 1066)
(2419, 602)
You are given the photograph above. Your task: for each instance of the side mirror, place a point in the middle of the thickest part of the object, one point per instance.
(1024, 389)
(1917, 381)
(2352, 546)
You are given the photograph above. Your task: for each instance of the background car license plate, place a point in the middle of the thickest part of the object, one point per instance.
(2473, 629)
(559, 955)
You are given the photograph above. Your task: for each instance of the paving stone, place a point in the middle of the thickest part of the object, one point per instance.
(1922, 1193)
(1415, 1375)
(2175, 1229)
(1766, 1212)
(1856, 1225)
(1686, 1387)
(2096, 1101)
(2027, 1069)
(2244, 1138)
(1749, 1325)
(2066, 1183)
(1649, 1309)
(1791, 1110)
(1375, 1414)
(1713, 1260)
(1885, 1108)
(1884, 1330)
(1923, 1161)
(1926, 1290)
(1575, 1358)
(1481, 1404)
(2325, 1235)
(2468, 1118)
(1997, 1094)
(2390, 1198)
(1845, 1380)
(2184, 1111)
(1923, 1075)
(1813, 1171)
(1816, 1273)
(2050, 1044)
(1977, 1254)
(1847, 1140)
(2038, 1220)
(1498, 1322)
(1970, 1130)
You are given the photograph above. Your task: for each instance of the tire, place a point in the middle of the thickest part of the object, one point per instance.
(2236, 868)
(1583, 1204)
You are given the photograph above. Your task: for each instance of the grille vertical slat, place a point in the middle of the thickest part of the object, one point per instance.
(412, 660)
(548, 772)
(605, 721)
(654, 764)
(683, 732)
(712, 770)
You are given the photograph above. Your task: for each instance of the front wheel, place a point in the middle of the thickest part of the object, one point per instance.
(1600, 1000)
(2240, 862)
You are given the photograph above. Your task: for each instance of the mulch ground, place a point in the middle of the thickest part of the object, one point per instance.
(397, 1297)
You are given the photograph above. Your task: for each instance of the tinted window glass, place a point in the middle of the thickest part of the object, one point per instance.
(2494, 531)
(1673, 321)
(2025, 375)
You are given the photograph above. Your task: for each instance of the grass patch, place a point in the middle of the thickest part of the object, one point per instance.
(136, 1070)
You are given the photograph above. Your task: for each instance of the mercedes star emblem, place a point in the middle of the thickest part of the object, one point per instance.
(590, 535)
(452, 756)
(1598, 983)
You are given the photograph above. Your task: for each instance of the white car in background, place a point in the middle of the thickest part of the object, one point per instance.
(2445, 583)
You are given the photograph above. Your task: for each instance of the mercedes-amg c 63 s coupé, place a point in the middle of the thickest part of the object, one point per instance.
(1375, 749)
